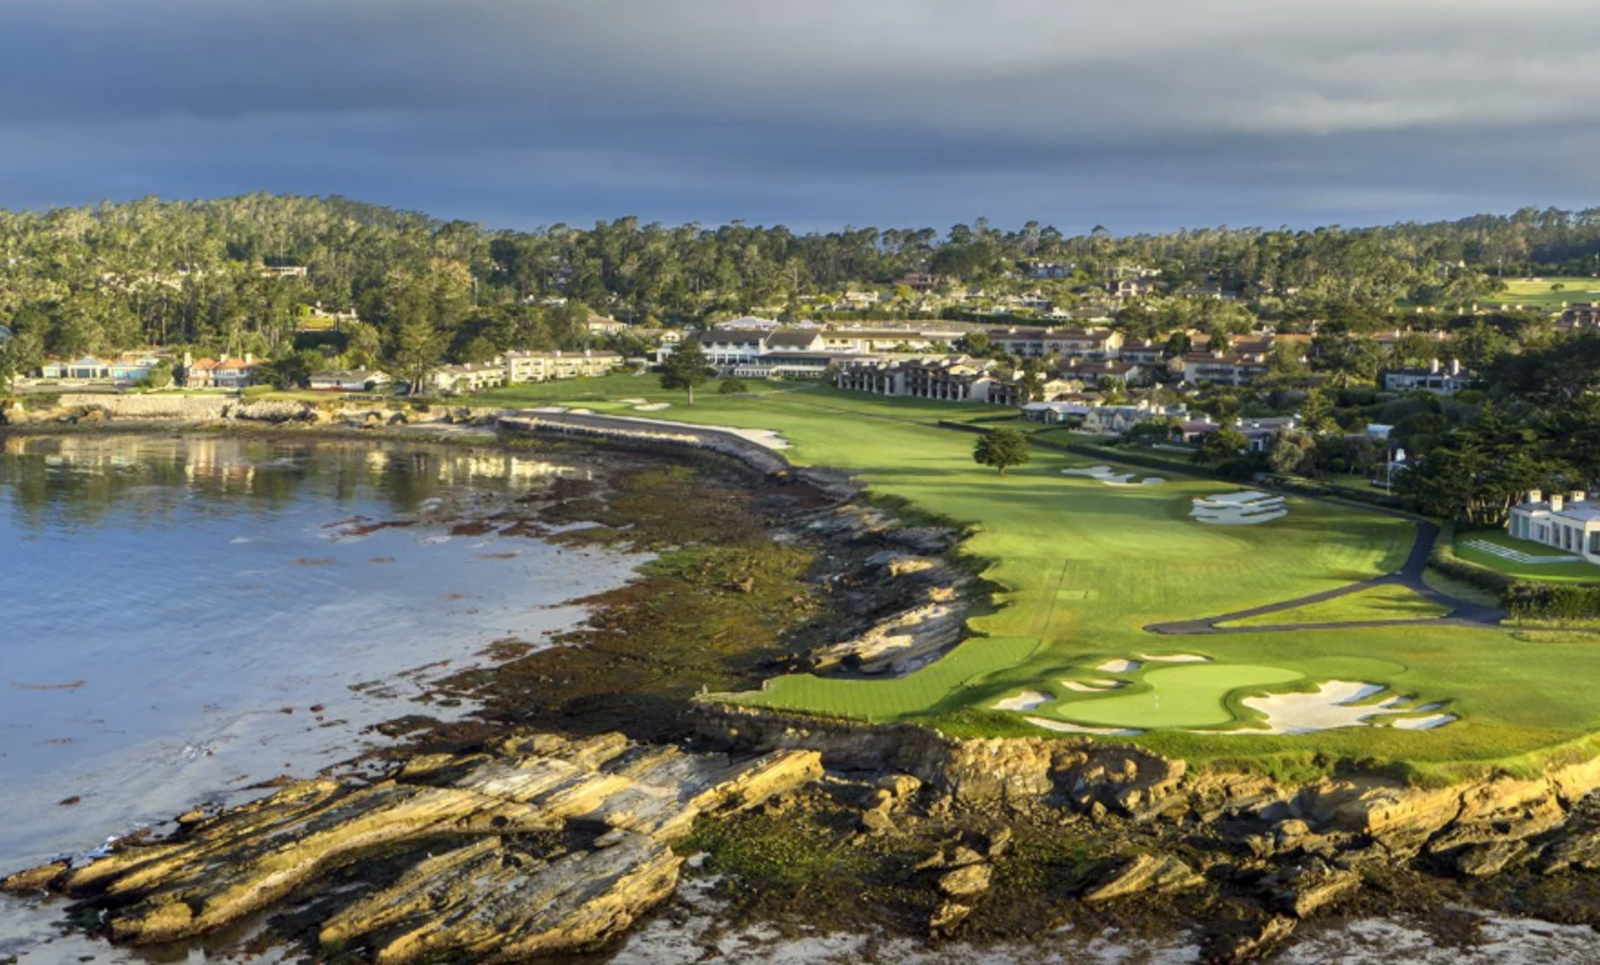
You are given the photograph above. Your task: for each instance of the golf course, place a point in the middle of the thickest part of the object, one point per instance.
(1083, 567)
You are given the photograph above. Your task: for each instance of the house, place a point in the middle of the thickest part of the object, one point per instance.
(1259, 432)
(1432, 379)
(887, 339)
(358, 380)
(208, 373)
(1023, 342)
(1195, 430)
(1089, 343)
(467, 378)
(1055, 413)
(284, 271)
(1130, 288)
(1093, 373)
(1568, 523)
(1042, 270)
(125, 369)
(1148, 352)
(794, 340)
(599, 325)
(1223, 368)
(919, 281)
(522, 367)
(1108, 420)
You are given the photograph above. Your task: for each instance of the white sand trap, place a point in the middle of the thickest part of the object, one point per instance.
(1027, 700)
(1093, 686)
(581, 411)
(1111, 477)
(549, 409)
(1062, 727)
(1331, 707)
(1236, 499)
(653, 406)
(1423, 723)
(634, 401)
(1247, 508)
(1175, 657)
(1119, 666)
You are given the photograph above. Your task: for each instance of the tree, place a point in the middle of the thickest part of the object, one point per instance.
(1221, 446)
(732, 387)
(19, 354)
(686, 368)
(1002, 449)
(976, 343)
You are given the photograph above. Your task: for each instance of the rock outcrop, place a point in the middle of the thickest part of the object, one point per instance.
(486, 882)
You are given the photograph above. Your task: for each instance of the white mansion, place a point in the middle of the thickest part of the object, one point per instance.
(1568, 523)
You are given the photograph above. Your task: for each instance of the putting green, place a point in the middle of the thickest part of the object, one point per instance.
(1192, 695)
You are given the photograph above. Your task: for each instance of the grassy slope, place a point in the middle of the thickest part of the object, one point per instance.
(1087, 566)
(1543, 572)
(1378, 603)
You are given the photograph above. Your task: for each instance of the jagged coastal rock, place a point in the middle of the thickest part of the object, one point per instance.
(546, 844)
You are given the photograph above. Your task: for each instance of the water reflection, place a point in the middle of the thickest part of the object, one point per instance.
(80, 480)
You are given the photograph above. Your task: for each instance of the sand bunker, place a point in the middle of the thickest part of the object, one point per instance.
(1246, 508)
(1423, 723)
(1119, 666)
(634, 401)
(1027, 700)
(1062, 727)
(1093, 686)
(1175, 657)
(653, 406)
(549, 409)
(1111, 477)
(1335, 705)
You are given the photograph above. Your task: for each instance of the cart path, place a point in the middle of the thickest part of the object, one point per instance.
(1462, 613)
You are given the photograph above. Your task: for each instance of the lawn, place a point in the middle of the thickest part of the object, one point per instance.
(1082, 567)
(1577, 572)
(1537, 292)
(1379, 603)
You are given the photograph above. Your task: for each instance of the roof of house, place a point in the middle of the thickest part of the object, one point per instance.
(789, 338)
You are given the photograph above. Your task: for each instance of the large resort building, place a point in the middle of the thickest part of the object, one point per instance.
(1568, 523)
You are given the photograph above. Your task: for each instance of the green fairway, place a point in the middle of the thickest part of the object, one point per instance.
(1574, 572)
(1378, 603)
(1539, 293)
(1084, 567)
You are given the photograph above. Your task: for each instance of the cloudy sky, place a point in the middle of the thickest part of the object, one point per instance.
(1135, 114)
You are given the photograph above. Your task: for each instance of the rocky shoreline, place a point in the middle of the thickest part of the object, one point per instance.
(560, 840)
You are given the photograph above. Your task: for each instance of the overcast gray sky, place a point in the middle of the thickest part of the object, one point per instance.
(1135, 114)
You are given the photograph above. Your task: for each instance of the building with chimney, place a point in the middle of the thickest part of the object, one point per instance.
(1569, 523)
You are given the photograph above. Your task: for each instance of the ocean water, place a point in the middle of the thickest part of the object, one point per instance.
(181, 618)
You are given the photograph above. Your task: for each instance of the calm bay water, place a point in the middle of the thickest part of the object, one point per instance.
(182, 618)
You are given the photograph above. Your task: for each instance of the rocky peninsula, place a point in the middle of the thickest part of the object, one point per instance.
(597, 773)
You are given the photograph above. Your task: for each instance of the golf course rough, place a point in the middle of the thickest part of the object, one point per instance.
(1084, 567)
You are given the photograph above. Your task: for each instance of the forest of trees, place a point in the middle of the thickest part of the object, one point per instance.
(116, 276)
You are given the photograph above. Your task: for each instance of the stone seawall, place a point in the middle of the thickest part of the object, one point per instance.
(182, 408)
(642, 431)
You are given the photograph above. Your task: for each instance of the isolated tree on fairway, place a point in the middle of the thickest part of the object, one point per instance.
(686, 368)
(1001, 448)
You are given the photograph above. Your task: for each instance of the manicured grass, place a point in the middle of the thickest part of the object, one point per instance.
(1378, 603)
(1189, 695)
(1460, 589)
(1084, 567)
(1538, 294)
(1578, 572)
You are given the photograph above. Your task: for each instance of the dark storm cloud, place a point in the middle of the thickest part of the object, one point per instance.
(1136, 114)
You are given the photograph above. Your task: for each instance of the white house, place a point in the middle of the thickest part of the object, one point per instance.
(360, 380)
(1568, 523)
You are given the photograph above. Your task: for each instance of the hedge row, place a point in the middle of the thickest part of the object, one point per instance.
(1553, 601)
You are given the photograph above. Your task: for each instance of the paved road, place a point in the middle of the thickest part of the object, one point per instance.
(1461, 612)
